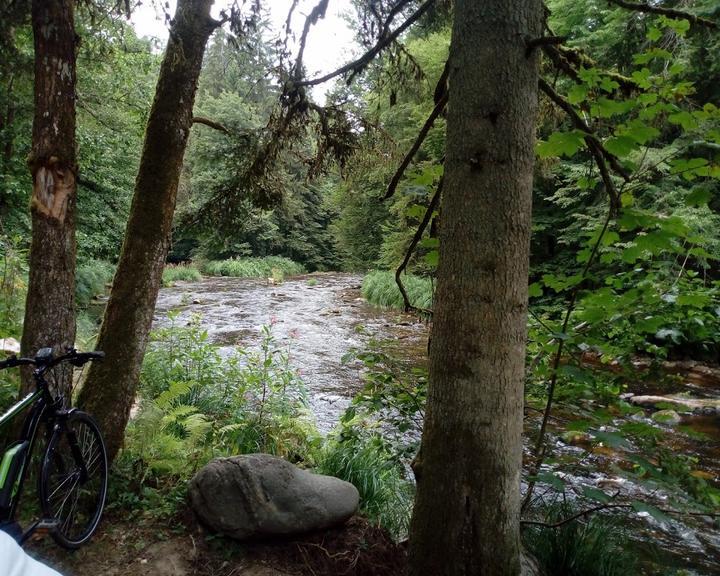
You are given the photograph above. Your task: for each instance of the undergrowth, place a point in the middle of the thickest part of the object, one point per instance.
(180, 272)
(379, 288)
(368, 462)
(275, 267)
(585, 547)
(196, 405)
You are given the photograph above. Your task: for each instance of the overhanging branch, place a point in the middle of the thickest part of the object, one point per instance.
(442, 93)
(210, 123)
(667, 12)
(409, 307)
(598, 151)
(385, 40)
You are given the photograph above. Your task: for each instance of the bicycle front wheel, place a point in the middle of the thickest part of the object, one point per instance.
(73, 479)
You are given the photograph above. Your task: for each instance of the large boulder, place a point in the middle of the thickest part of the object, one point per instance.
(262, 495)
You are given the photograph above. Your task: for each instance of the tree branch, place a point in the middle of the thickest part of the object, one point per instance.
(602, 507)
(210, 123)
(315, 14)
(667, 12)
(439, 107)
(598, 151)
(416, 239)
(385, 40)
(531, 45)
(567, 59)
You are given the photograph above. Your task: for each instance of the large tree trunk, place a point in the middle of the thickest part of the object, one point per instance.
(50, 304)
(109, 390)
(466, 516)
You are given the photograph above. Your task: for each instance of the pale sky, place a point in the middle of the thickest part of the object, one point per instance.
(330, 42)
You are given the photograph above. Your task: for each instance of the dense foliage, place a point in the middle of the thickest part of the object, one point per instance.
(624, 267)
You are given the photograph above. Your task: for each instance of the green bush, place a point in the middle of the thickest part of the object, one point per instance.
(180, 272)
(582, 547)
(379, 288)
(90, 281)
(275, 267)
(196, 405)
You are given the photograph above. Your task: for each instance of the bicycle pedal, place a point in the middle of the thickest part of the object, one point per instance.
(46, 525)
(39, 529)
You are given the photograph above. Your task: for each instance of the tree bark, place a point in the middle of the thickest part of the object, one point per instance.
(109, 391)
(50, 304)
(467, 508)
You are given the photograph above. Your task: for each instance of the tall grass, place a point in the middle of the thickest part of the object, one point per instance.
(588, 547)
(184, 272)
(386, 496)
(274, 267)
(379, 288)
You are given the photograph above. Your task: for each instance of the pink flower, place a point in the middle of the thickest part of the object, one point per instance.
(273, 320)
(293, 333)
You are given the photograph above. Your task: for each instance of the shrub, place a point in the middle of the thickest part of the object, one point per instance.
(196, 405)
(275, 267)
(180, 272)
(90, 281)
(379, 288)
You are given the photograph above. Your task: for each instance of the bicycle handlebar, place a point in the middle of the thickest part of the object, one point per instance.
(73, 356)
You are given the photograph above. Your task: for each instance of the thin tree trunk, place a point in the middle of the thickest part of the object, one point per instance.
(50, 304)
(109, 390)
(466, 516)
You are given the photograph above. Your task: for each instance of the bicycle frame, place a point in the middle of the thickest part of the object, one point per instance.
(13, 466)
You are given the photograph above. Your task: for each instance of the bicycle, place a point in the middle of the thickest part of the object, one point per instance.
(72, 480)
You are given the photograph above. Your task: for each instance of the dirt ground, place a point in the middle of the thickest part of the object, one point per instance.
(139, 548)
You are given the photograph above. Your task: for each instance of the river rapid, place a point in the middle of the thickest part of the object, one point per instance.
(320, 317)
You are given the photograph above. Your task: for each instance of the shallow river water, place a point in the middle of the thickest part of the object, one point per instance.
(320, 317)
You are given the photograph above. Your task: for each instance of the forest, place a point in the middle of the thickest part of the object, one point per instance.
(449, 309)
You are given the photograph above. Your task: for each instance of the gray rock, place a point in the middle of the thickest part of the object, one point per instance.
(262, 495)
(667, 417)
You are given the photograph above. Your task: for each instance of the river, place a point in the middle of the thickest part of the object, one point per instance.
(322, 317)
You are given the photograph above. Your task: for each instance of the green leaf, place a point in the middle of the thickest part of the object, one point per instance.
(535, 290)
(679, 25)
(432, 257)
(693, 300)
(620, 145)
(553, 480)
(594, 494)
(429, 242)
(578, 93)
(653, 34)
(611, 439)
(698, 197)
(627, 199)
(641, 132)
(684, 119)
(607, 107)
(656, 513)
(415, 211)
(561, 144)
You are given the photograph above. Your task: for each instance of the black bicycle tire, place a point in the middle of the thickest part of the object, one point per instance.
(51, 458)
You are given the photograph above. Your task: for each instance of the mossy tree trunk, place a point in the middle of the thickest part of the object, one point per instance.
(466, 516)
(50, 304)
(110, 387)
